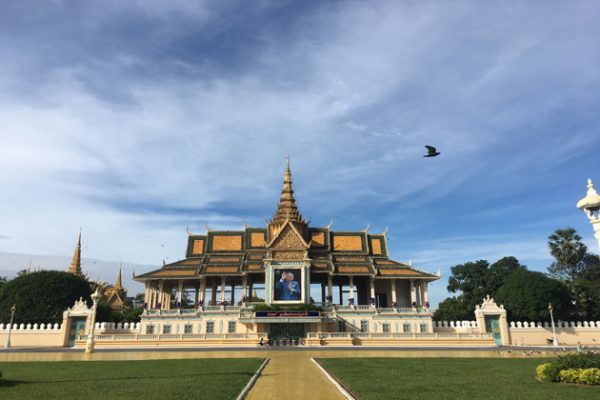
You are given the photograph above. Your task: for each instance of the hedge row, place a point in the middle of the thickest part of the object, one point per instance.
(573, 368)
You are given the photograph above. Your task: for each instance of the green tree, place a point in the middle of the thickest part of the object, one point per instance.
(41, 297)
(526, 294)
(473, 281)
(568, 251)
(586, 289)
(453, 309)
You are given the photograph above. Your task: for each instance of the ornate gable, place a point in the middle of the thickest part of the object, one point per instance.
(288, 238)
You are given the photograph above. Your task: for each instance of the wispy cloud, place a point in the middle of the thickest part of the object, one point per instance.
(140, 118)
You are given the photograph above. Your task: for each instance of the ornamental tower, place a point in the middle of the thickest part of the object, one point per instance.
(590, 204)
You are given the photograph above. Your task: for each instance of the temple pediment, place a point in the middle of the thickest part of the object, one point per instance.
(288, 238)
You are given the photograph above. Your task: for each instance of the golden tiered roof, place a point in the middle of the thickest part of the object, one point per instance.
(245, 252)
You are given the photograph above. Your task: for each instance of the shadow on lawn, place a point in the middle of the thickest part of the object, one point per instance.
(4, 383)
(124, 378)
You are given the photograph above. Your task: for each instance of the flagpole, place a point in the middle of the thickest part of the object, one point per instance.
(12, 317)
(554, 340)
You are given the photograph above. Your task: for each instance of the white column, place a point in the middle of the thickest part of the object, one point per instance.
(161, 294)
(147, 294)
(222, 289)
(180, 292)
(372, 290)
(154, 295)
(245, 288)
(424, 289)
(413, 293)
(196, 290)
(202, 291)
(393, 283)
(351, 286)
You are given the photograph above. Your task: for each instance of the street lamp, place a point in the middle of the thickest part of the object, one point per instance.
(89, 345)
(590, 204)
(12, 317)
(554, 339)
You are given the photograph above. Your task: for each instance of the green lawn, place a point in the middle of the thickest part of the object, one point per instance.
(449, 378)
(156, 379)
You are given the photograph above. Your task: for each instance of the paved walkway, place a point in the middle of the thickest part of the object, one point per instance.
(292, 375)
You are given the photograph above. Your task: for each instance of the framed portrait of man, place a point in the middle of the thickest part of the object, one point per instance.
(287, 285)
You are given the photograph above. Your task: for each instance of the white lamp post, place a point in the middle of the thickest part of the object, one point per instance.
(590, 204)
(12, 317)
(554, 339)
(89, 345)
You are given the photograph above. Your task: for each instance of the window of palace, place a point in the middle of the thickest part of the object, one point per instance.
(149, 329)
(405, 328)
(210, 327)
(166, 329)
(187, 328)
(423, 327)
(342, 326)
(364, 326)
(231, 325)
(386, 327)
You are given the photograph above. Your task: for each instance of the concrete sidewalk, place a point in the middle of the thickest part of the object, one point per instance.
(292, 375)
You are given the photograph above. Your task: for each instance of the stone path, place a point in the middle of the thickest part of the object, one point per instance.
(291, 375)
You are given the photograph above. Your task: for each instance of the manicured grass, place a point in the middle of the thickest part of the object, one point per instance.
(153, 379)
(450, 378)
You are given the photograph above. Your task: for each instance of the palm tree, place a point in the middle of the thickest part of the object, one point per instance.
(568, 250)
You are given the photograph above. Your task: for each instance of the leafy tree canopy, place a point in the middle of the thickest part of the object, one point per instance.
(586, 289)
(41, 297)
(473, 281)
(526, 294)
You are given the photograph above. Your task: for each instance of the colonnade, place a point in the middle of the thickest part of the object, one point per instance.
(158, 294)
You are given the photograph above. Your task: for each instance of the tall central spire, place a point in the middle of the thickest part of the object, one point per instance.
(119, 284)
(75, 267)
(287, 210)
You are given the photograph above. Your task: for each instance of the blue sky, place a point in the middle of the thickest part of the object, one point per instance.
(139, 118)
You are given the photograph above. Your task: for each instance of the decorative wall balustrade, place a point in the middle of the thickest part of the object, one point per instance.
(31, 327)
(557, 325)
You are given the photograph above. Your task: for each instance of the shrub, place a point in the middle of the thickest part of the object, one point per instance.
(569, 375)
(542, 371)
(583, 361)
(588, 376)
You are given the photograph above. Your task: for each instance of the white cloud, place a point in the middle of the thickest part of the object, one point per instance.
(139, 138)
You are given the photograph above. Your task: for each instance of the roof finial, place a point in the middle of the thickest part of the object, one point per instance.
(590, 185)
(386, 230)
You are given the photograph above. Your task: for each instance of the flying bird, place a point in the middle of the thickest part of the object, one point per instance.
(431, 152)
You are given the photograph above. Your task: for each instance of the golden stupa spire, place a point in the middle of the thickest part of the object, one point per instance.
(119, 284)
(287, 208)
(75, 267)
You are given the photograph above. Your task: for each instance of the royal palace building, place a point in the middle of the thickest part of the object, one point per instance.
(286, 280)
